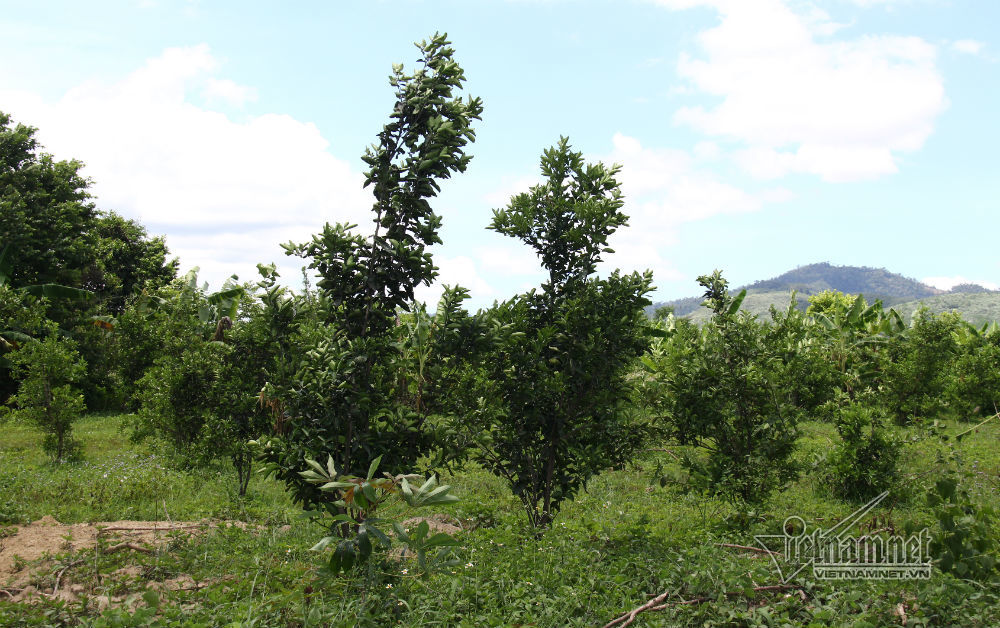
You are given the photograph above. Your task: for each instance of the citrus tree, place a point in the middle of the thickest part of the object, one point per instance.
(343, 399)
(553, 409)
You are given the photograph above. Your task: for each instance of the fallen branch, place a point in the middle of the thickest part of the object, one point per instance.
(666, 451)
(153, 529)
(759, 550)
(974, 427)
(659, 603)
(55, 589)
(131, 546)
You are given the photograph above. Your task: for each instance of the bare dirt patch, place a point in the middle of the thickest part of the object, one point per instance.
(31, 552)
(437, 522)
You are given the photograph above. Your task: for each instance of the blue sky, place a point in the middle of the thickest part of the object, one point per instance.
(755, 135)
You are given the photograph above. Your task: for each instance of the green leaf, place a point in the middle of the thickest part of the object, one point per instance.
(152, 598)
(401, 532)
(373, 467)
(4, 265)
(854, 316)
(735, 305)
(323, 543)
(315, 465)
(441, 540)
(59, 292)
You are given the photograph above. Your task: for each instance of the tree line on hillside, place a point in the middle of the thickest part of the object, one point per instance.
(345, 389)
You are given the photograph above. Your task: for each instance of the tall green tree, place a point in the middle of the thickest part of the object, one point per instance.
(554, 409)
(55, 243)
(129, 260)
(45, 211)
(344, 399)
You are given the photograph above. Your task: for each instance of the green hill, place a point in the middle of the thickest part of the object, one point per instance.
(977, 308)
(976, 303)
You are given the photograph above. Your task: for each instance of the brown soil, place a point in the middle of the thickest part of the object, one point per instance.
(30, 551)
(436, 523)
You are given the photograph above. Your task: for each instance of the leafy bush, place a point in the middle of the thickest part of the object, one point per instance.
(966, 544)
(807, 378)
(973, 386)
(355, 527)
(201, 396)
(22, 317)
(720, 392)
(865, 462)
(916, 372)
(48, 369)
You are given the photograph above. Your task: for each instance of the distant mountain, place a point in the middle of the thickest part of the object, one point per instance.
(894, 290)
(871, 282)
(968, 288)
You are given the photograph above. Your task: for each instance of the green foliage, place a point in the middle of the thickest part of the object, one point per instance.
(721, 391)
(833, 303)
(356, 529)
(48, 369)
(807, 378)
(973, 383)
(45, 211)
(129, 259)
(344, 397)
(611, 549)
(178, 397)
(553, 409)
(22, 318)
(916, 372)
(865, 462)
(966, 544)
(201, 395)
(855, 336)
(55, 244)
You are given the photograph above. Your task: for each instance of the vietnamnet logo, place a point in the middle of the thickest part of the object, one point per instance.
(836, 554)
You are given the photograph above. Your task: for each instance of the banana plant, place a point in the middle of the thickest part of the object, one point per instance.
(12, 339)
(850, 333)
(218, 308)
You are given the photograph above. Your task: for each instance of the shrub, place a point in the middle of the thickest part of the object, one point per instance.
(965, 544)
(48, 368)
(916, 372)
(973, 385)
(720, 392)
(864, 463)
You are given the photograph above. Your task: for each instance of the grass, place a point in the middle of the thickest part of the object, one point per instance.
(622, 541)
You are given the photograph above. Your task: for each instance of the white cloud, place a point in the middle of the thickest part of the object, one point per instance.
(458, 270)
(510, 259)
(225, 192)
(228, 92)
(947, 283)
(665, 188)
(801, 102)
(968, 46)
(509, 187)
